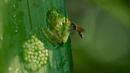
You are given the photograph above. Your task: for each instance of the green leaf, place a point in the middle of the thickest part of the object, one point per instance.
(19, 20)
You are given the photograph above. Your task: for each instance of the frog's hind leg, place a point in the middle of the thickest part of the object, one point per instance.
(51, 37)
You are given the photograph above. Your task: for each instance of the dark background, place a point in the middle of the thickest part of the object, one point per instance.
(106, 46)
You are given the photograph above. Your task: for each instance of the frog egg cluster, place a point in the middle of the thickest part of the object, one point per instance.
(35, 55)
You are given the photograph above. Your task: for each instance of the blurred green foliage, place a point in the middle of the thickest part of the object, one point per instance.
(105, 48)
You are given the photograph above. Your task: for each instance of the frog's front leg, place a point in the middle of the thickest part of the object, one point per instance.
(51, 36)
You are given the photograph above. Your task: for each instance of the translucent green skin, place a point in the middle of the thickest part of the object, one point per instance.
(58, 27)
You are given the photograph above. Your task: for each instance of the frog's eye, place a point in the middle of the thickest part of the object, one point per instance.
(35, 55)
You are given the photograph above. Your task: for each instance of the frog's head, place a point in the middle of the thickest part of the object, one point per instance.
(55, 19)
(53, 13)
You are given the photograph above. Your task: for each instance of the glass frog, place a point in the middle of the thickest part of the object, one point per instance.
(59, 27)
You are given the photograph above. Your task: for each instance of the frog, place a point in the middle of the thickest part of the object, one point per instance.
(59, 27)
